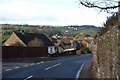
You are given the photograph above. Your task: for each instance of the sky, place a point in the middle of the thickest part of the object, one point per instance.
(49, 12)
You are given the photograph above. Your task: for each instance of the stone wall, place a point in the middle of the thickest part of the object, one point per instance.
(106, 55)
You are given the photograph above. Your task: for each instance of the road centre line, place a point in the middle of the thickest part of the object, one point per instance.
(26, 65)
(41, 62)
(32, 64)
(17, 67)
(38, 63)
(29, 77)
(78, 73)
(8, 69)
(52, 66)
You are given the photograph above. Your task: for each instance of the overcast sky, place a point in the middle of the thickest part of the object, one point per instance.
(49, 12)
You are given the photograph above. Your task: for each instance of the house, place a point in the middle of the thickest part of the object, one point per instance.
(84, 43)
(79, 48)
(86, 46)
(31, 40)
(68, 46)
(57, 42)
(63, 44)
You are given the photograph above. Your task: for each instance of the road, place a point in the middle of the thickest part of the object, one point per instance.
(69, 67)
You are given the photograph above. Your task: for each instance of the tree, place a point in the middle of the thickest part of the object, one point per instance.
(17, 44)
(103, 5)
(36, 43)
(108, 6)
(79, 36)
(110, 23)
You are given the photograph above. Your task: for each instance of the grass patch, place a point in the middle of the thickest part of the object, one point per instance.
(5, 37)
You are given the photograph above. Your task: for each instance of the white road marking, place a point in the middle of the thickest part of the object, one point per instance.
(78, 73)
(38, 63)
(52, 66)
(8, 69)
(42, 62)
(17, 67)
(28, 77)
(32, 64)
(26, 65)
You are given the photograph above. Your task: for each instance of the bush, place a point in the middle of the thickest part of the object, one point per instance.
(110, 23)
(85, 50)
(36, 43)
(17, 44)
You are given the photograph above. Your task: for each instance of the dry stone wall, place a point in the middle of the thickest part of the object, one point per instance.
(106, 54)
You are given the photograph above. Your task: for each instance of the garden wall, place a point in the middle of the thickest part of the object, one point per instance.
(24, 52)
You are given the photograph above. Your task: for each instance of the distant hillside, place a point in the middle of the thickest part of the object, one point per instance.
(68, 31)
(86, 26)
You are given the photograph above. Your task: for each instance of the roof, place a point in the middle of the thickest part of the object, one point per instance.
(88, 41)
(65, 41)
(27, 37)
(54, 40)
(84, 43)
(65, 46)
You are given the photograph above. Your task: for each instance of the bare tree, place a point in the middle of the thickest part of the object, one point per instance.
(103, 5)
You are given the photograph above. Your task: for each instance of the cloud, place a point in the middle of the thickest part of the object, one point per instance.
(53, 12)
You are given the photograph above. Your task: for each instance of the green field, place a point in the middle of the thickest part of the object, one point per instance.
(90, 31)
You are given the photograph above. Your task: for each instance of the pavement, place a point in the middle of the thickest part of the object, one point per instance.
(68, 68)
(86, 71)
(27, 60)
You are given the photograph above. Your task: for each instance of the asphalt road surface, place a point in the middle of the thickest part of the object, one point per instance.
(69, 67)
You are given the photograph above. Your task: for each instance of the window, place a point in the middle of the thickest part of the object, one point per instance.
(51, 50)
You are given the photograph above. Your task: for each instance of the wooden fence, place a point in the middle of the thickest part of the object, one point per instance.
(24, 52)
